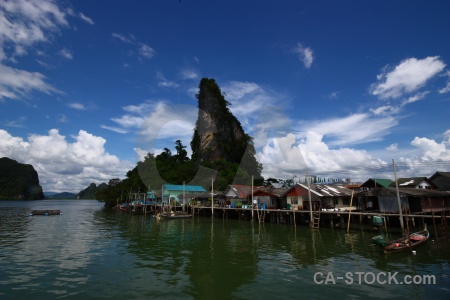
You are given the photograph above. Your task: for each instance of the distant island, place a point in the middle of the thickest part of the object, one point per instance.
(19, 181)
(63, 195)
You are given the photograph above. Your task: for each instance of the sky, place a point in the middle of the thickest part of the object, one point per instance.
(337, 89)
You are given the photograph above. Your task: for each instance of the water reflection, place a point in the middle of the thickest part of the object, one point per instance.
(90, 251)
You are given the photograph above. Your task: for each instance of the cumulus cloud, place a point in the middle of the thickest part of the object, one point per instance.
(407, 77)
(64, 165)
(429, 156)
(287, 156)
(305, 54)
(431, 150)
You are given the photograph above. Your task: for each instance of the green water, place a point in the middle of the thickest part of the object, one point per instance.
(92, 253)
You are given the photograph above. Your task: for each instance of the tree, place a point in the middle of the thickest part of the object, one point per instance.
(181, 155)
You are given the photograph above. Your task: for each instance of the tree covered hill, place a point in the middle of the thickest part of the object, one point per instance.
(89, 192)
(18, 181)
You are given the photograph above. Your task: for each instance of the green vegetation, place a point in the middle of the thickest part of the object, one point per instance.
(89, 192)
(18, 181)
(153, 172)
(231, 155)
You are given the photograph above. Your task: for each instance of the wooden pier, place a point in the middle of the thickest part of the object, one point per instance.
(322, 218)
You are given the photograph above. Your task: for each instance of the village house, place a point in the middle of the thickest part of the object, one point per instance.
(441, 180)
(413, 200)
(238, 194)
(271, 198)
(415, 183)
(335, 196)
(373, 183)
(174, 193)
(297, 198)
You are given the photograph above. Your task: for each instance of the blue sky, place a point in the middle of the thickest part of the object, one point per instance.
(330, 88)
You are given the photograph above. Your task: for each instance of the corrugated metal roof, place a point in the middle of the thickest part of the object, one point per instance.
(242, 191)
(408, 182)
(370, 183)
(405, 191)
(332, 190)
(186, 188)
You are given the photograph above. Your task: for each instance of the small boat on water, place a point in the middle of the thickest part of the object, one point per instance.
(45, 212)
(405, 243)
(173, 215)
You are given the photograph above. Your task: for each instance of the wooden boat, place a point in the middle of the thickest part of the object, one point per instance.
(45, 212)
(405, 243)
(173, 215)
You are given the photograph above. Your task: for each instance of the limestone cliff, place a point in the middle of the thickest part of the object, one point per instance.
(218, 134)
(18, 181)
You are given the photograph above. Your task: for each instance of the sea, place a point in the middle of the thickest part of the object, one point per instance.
(89, 252)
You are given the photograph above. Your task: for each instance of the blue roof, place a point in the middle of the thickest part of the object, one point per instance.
(187, 188)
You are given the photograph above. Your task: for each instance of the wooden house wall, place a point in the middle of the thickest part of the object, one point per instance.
(437, 204)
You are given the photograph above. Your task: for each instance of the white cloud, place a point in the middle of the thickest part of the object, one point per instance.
(384, 110)
(431, 150)
(392, 147)
(158, 124)
(415, 98)
(286, 156)
(429, 156)
(63, 165)
(126, 39)
(305, 55)
(78, 106)
(146, 51)
(62, 118)
(15, 83)
(163, 82)
(115, 129)
(65, 53)
(86, 19)
(25, 22)
(334, 95)
(353, 129)
(446, 89)
(188, 74)
(18, 123)
(407, 77)
(258, 109)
